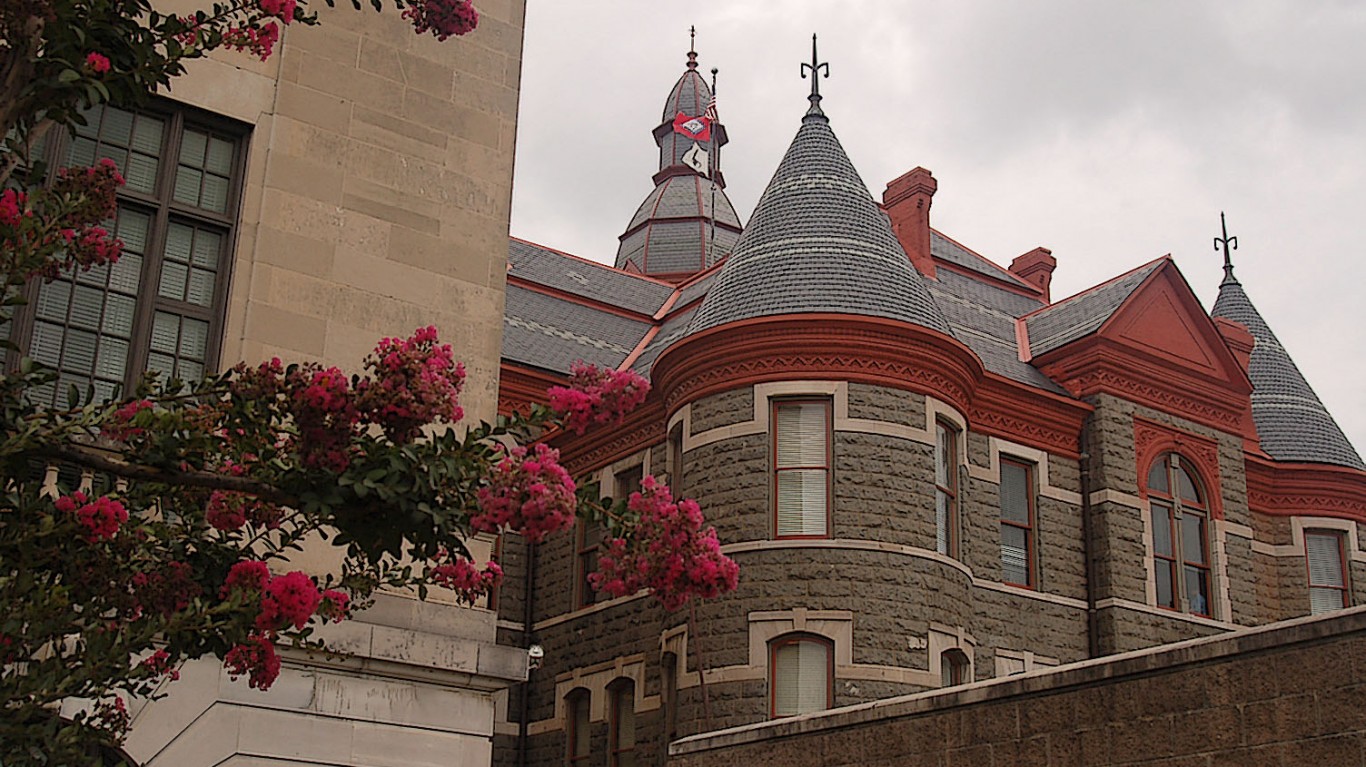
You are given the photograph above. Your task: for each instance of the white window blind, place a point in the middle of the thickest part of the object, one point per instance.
(1327, 589)
(801, 467)
(1017, 523)
(801, 682)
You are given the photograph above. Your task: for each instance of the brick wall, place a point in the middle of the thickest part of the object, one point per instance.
(1286, 694)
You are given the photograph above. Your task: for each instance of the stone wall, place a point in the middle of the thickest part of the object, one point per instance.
(1288, 694)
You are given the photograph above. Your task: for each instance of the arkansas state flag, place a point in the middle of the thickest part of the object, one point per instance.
(698, 128)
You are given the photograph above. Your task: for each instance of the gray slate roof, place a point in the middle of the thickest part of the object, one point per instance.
(1084, 313)
(943, 247)
(1291, 421)
(690, 94)
(671, 229)
(818, 243)
(585, 278)
(982, 316)
(551, 333)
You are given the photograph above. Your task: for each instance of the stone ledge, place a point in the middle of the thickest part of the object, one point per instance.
(1089, 673)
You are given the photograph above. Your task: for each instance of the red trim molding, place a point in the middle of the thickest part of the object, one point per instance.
(818, 346)
(1152, 439)
(519, 387)
(1305, 489)
(603, 445)
(1028, 415)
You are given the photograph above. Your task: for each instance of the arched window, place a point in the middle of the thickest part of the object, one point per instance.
(954, 667)
(801, 674)
(1180, 521)
(621, 738)
(578, 737)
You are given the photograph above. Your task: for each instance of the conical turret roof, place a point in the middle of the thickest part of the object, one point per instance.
(1291, 421)
(818, 243)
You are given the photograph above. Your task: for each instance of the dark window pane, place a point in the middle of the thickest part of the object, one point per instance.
(1162, 531)
(1165, 595)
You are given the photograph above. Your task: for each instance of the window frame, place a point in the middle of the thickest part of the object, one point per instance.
(798, 638)
(958, 665)
(1178, 509)
(952, 521)
(1344, 590)
(577, 701)
(1030, 526)
(775, 405)
(162, 209)
(619, 689)
(586, 553)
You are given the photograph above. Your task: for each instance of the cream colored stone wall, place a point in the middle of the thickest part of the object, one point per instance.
(378, 187)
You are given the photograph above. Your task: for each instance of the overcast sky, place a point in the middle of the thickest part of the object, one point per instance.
(1110, 133)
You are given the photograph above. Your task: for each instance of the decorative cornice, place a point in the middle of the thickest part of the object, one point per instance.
(519, 387)
(818, 346)
(602, 445)
(1152, 439)
(1300, 489)
(1028, 415)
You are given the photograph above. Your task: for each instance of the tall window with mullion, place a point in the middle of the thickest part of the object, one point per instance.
(160, 307)
(1180, 525)
(1017, 523)
(946, 489)
(801, 468)
(801, 674)
(1327, 575)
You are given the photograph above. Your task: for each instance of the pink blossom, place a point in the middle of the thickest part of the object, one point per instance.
(247, 575)
(165, 591)
(257, 658)
(597, 396)
(120, 423)
(97, 63)
(528, 492)
(259, 41)
(280, 9)
(442, 18)
(228, 511)
(159, 663)
(668, 552)
(288, 599)
(334, 605)
(12, 204)
(416, 382)
(101, 518)
(467, 581)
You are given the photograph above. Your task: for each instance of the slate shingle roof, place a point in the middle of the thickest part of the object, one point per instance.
(943, 247)
(1291, 421)
(552, 333)
(585, 278)
(1084, 313)
(982, 316)
(671, 228)
(817, 243)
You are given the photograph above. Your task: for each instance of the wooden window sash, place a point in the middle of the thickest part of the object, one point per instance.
(812, 659)
(1178, 562)
(622, 739)
(1326, 568)
(1027, 527)
(946, 490)
(795, 457)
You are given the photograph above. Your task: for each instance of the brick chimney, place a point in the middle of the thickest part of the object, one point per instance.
(1036, 268)
(907, 202)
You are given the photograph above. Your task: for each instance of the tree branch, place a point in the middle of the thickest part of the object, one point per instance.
(100, 460)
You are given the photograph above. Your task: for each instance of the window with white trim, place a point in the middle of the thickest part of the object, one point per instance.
(1017, 523)
(946, 488)
(1323, 551)
(1180, 524)
(801, 674)
(160, 307)
(801, 468)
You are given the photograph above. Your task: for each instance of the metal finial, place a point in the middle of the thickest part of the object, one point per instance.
(1227, 243)
(692, 47)
(815, 68)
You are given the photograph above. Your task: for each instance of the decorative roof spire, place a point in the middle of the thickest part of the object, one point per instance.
(1228, 243)
(692, 47)
(815, 66)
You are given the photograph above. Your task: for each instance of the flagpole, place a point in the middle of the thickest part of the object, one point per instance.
(712, 160)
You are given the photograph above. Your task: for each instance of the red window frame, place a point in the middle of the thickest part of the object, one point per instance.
(1344, 585)
(948, 491)
(622, 697)
(1177, 508)
(1028, 526)
(796, 639)
(775, 406)
(576, 709)
(587, 545)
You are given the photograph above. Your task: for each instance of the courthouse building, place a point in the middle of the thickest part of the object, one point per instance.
(930, 470)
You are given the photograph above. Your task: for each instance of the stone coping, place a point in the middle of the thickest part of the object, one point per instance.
(1136, 663)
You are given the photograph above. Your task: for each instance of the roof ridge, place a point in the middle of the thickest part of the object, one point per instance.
(1087, 291)
(599, 264)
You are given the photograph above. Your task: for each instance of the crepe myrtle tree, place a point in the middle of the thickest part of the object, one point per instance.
(141, 533)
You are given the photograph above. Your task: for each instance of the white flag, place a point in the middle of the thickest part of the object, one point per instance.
(696, 158)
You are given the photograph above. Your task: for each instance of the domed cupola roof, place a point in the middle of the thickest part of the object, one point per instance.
(1292, 423)
(817, 243)
(687, 223)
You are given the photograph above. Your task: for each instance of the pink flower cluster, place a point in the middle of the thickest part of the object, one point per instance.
(597, 396)
(58, 228)
(13, 208)
(120, 424)
(228, 511)
(416, 381)
(256, 40)
(467, 581)
(257, 658)
(442, 18)
(97, 63)
(325, 415)
(165, 591)
(285, 600)
(101, 518)
(669, 553)
(159, 663)
(528, 492)
(280, 9)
